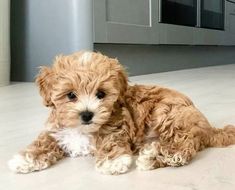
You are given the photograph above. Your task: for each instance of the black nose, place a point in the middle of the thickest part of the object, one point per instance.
(86, 116)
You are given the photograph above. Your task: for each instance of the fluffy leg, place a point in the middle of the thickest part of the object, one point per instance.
(113, 155)
(114, 166)
(155, 155)
(41, 154)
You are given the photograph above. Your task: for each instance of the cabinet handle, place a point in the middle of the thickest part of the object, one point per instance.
(159, 10)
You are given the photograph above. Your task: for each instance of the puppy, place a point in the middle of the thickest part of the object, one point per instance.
(95, 112)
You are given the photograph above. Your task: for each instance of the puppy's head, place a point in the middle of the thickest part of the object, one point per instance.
(82, 88)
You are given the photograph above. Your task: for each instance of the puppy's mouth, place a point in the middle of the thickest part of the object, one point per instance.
(88, 127)
(87, 123)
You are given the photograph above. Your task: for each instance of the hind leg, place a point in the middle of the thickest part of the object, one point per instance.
(156, 155)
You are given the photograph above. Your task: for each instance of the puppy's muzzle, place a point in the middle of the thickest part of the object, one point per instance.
(86, 117)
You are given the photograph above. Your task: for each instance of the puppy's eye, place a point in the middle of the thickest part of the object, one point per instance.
(100, 94)
(71, 96)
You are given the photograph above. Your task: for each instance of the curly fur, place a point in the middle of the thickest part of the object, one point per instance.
(161, 125)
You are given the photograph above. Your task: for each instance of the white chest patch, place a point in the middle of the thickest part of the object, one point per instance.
(73, 142)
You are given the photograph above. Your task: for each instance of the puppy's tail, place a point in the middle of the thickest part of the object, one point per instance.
(222, 137)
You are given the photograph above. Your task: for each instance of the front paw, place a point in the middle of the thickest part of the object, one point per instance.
(25, 164)
(116, 166)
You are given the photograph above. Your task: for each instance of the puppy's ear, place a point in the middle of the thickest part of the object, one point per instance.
(45, 80)
(121, 75)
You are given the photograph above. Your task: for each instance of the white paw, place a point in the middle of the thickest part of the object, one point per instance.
(176, 160)
(119, 165)
(74, 154)
(147, 158)
(24, 164)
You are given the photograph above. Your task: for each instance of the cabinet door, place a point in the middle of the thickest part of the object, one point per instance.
(230, 22)
(179, 12)
(212, 14)
(125, 21)
(212, 29)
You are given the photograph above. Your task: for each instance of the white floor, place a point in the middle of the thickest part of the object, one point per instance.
(212, 89)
